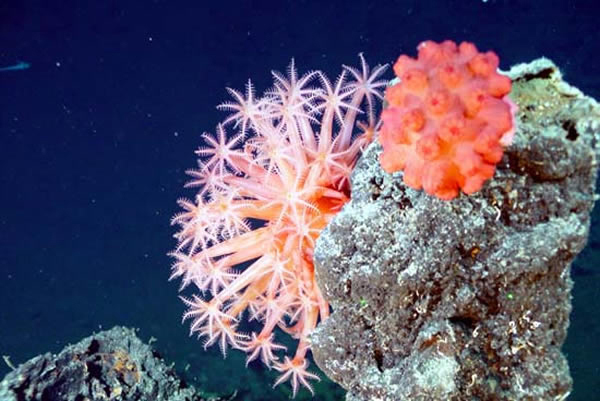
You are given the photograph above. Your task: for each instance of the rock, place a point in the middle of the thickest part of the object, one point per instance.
(470, 298)
(110, 365)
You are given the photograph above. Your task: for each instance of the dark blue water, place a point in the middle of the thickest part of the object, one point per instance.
(96, 134)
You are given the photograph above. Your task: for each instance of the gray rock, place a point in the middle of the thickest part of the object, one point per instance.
(466, 299)
(111, 365)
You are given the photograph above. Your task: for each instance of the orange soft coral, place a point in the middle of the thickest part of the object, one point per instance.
(246, 240)
(448, 119)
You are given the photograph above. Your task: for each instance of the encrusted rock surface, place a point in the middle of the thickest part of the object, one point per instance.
(466, 299)
(111, 365)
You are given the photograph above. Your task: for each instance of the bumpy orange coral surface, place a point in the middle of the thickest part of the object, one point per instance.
(448, 119)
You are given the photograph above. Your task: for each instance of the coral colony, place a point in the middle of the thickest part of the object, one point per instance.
(288, 167)
(267, 191)
(448, 119)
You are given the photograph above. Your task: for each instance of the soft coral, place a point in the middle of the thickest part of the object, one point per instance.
(292, 175)
(448, 118)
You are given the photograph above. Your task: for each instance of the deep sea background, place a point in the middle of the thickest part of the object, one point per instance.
(96, 135)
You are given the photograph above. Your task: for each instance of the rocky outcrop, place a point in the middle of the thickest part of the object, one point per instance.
(470, 298)
(110, 365)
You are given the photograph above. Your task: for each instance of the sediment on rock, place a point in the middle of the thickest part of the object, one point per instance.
(469, 298)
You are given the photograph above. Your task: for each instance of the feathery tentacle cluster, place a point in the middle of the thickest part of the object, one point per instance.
(265, 194)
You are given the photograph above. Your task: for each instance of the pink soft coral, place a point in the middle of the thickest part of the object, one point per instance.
(265, 195)
(448, 119)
